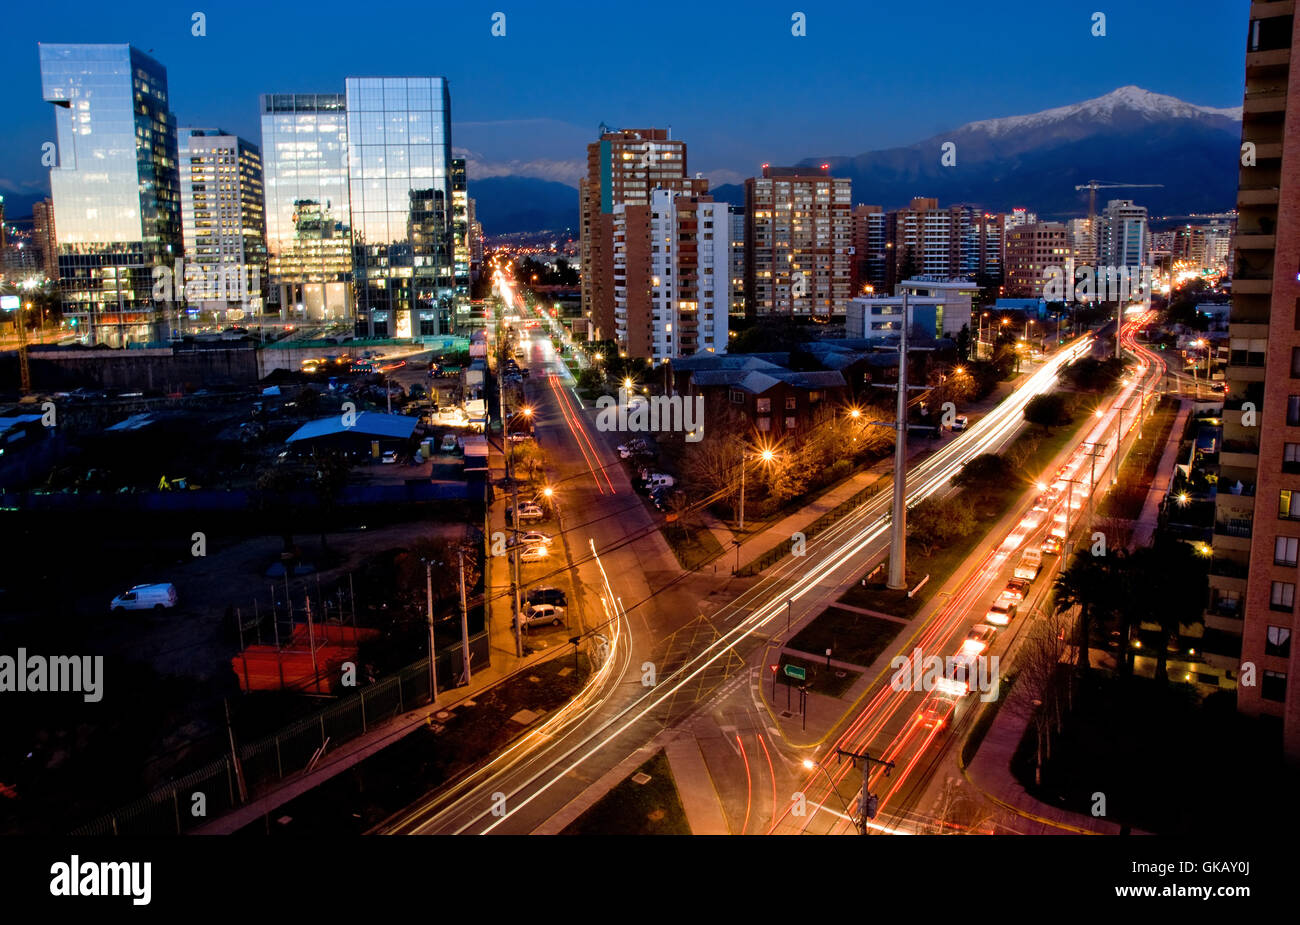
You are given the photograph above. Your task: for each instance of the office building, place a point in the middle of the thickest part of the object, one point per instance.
(1250, 620)
(736, 219)
(460, 225)
(798, 243)
(672, 265)
(400, 189)
(935, 308)
(223, 224)
(623, 167)
(115, 187)
(308, 236)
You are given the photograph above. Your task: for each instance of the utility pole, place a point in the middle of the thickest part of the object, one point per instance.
(898, 523)
(433, 652)
(866, 802)
(464, 614)
(1094, 450)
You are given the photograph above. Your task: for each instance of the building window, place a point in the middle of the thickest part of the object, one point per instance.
(764, 406)
(1278, 641)
(1273, 686)
(791, 403)
(1284, 550)
(790, 423)
(1295, 362)
(737, 397)
(1282, 597)
(1291, 457)
(764, 424)
(1288, 504)
(1293, 411)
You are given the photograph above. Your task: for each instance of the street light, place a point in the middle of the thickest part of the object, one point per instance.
(765, 455)
(811, 765)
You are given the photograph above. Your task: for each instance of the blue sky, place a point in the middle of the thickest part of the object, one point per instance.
(729, 78)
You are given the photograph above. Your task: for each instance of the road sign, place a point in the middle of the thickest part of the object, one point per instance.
(794, 671)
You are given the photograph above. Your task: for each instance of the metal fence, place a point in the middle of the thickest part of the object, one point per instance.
(840, 511)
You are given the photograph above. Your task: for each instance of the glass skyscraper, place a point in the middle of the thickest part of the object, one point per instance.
(399, 172)
(308, 237)
(115, 186)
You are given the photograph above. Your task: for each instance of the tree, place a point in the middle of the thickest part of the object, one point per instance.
(590, 380)
(982, 473)
(1047, 411)
(933, 522)
(1083, 584)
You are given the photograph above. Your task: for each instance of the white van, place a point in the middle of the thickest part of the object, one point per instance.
(146, 597)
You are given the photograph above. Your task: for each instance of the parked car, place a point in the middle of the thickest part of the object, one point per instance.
(531, 538)
(538, 553)
(529, 511)
(544, 613)
(960, 422)
(449, 443)
(161, 596)
(389, 457)
(548, 596)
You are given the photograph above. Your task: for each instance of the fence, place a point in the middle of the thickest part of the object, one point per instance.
(840, 511)
(170, 810)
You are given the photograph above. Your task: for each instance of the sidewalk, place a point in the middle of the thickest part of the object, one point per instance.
(1145, 527)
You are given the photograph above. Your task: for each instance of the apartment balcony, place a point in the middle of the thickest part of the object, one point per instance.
(1259, 196)
(1244, 374)
(1264, 101)
(1251, 286)
(1255, 242)
(1239, 453)
(1223, 622)
(1261, 62)
(1225, 570)
(1255, 329)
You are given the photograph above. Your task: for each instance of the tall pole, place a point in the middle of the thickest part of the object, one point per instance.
(741, 528)
(464, 614)
(433, 652)
(898, 525)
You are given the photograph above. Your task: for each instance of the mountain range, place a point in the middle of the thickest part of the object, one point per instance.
(1130, 135)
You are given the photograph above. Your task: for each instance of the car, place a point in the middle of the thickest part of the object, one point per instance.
(544, 613)
(935, 713)
(531, 538)
(539, 553)
(1001, 613)
(959, 422)
(1015, 590)
(389, 457)
(449, 443)
(978, 639)
(1052, 545)
(547, 596)
(160, 596)
(529, 511)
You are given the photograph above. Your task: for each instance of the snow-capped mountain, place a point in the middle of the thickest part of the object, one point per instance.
(1130, 135)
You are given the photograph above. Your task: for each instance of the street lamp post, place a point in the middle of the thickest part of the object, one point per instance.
(766, 455)
(898, 522)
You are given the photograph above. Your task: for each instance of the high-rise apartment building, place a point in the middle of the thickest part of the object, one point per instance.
(1031, 250)
(736, 218)
(672, 266)
(1122, 235)
(870, 250)
(45, 236)
(399, 179)
(308, 233)
(798, 243)
(623, 167)
(115, 188)
(223, 223)
(1250, 620)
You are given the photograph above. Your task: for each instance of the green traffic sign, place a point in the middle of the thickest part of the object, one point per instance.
(794, 671)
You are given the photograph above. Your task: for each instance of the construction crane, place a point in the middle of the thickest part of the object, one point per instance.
(1092, 186)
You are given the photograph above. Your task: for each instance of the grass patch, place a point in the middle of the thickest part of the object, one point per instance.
(428, 758)
(692, 543)
(1036, 451)
(984, 722)
(830, 682)
(652, 808)
(1140, 467)
(852, 637)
